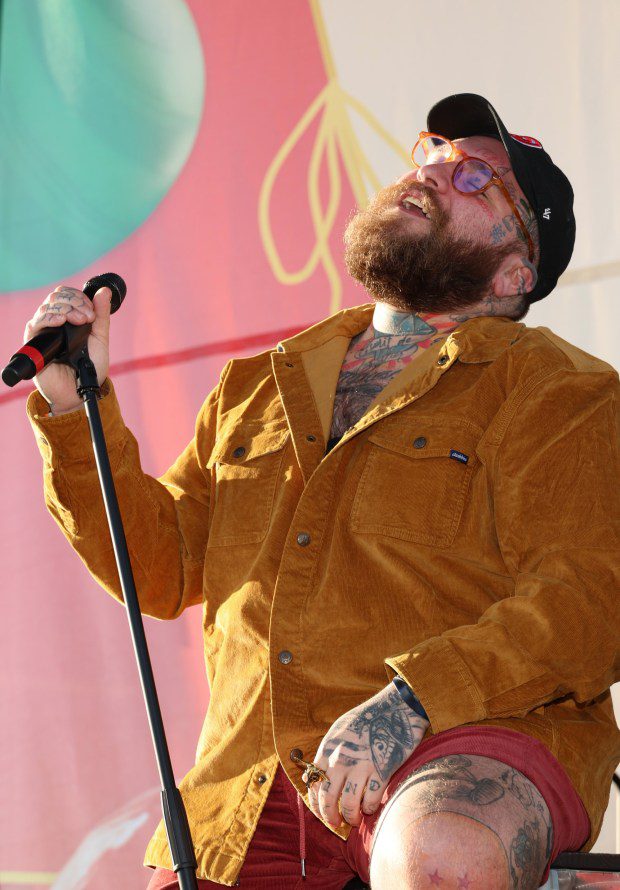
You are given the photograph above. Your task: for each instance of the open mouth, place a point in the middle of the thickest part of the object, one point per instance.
(412, 205)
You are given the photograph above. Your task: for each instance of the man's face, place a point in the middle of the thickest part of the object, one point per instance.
(443, 257)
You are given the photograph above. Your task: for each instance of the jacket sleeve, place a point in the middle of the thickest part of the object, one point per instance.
(166, 520)
(554, 472)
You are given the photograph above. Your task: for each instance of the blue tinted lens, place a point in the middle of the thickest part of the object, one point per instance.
(472, 175)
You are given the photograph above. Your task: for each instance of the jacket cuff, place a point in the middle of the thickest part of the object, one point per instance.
(442, 681)
(67, 437)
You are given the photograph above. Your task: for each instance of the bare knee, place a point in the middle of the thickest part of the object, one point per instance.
(440, 849)
(462, 821)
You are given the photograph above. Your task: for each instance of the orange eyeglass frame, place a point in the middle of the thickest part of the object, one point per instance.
(495, 179)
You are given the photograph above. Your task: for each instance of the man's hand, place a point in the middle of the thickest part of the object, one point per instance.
(56, 382)
(360, 753)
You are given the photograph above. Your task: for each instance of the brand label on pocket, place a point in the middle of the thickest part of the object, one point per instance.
(458, 455)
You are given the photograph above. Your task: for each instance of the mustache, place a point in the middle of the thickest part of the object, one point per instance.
(392, 194)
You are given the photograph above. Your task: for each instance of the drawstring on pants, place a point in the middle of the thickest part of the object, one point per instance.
(302, 835)
(312, 774)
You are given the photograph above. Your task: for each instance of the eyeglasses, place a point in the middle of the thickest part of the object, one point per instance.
(471, 176)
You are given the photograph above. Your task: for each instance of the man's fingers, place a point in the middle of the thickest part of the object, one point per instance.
(68, 295)
(313, 801)
(328, 796)
(69, 299)
(64, 301)
(49, 313)
(351, 798)
(373, 795)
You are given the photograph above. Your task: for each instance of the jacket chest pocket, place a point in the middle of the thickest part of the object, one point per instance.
(414, 486)
(246, 463)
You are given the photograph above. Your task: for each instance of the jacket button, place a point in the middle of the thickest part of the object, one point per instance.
(420, 442)
(296, 754)
(303, 539)
(289, 364)
(261, 779)
(285, 657)
(311, 438)
(239, 452)
(443, 359)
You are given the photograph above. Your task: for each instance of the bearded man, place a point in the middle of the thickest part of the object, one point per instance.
(402, 527)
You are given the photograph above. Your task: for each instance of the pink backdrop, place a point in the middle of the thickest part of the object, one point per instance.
(78, 776)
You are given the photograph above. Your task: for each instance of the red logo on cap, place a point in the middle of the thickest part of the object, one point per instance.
(527, 140)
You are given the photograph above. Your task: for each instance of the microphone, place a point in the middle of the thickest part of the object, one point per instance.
(57, 344)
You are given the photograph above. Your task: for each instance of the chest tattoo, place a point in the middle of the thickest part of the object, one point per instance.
(372, 359)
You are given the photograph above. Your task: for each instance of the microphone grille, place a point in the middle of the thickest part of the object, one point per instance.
(111, 280)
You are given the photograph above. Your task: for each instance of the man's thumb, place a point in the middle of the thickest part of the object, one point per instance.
(102, 300)
(101, 304)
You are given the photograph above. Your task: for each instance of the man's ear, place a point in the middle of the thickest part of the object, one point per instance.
(516, 275)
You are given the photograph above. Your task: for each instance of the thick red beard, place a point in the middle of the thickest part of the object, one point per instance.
(430, 271)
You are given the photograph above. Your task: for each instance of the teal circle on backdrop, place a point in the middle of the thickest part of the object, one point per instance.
(100, 104)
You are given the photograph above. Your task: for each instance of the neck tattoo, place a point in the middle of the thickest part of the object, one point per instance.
(387, 320)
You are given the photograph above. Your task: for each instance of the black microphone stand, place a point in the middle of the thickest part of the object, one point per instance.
(175, 818)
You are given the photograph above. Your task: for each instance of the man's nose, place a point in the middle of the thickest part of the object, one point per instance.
(436, 176)
(432, 176)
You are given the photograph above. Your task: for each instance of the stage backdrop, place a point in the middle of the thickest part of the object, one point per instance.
(210, 153)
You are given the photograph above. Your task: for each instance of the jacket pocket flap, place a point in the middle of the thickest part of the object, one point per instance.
(431, 440)
(245, 443)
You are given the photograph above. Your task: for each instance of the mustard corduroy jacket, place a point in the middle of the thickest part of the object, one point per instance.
(463, 534)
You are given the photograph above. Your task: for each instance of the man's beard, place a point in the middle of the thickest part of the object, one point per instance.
(432, 272)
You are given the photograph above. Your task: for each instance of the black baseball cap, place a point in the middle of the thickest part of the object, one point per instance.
(544, 185)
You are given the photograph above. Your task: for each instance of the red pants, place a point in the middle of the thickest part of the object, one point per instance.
(273, 860)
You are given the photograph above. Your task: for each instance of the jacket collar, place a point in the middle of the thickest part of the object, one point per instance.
(479, 339)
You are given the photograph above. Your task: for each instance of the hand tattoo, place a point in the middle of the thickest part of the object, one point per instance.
(385, 725)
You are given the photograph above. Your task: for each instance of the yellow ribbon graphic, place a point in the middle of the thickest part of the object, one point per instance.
(335, 141)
